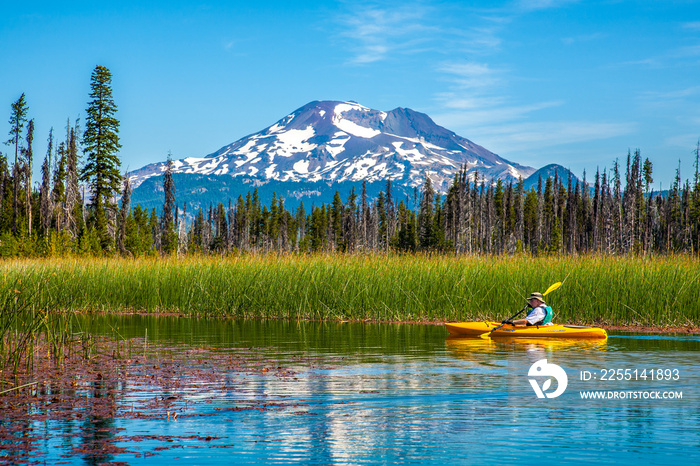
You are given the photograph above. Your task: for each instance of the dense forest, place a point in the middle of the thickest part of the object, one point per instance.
(82, 207)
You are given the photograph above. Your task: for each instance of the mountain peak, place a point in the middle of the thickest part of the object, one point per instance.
(338, 141)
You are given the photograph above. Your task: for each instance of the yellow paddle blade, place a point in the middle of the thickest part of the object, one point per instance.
(552, 288)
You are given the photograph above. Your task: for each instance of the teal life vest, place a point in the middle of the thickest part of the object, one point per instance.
(549, 313)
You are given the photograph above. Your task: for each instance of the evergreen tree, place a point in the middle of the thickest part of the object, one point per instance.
(59, 189)
(425, 215)
(300, 220)
(273, 223)
(617, 227)
(132, 239)
(383, 224)
(219, 243)
(438, 235)
(27, 156)
(5, 214)
(181, 233)
(197, 233)
(73, 209)
(241, 227)
(695, 202)
(317, 227)
(282, 222)
(586, 214)
(406, 239)
(364, 217)
(101, 140)
(123, 217)
(390, 213)
(168, 234)
(647, 172)
(337, 211)
(350, 221)
(154, 230)
(520, 214)
(530, 220)
(255, 212)
(46, 207)
(597, 211)
(18, 118)
(499, 216)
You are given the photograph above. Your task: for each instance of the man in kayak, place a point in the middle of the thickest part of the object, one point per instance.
(537, 315)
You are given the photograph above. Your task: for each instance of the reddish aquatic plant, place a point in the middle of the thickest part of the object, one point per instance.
(83, 399)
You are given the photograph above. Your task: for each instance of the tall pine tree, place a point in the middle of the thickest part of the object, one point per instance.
(123, 218)
(101, 140)
(45, 204)
(18, 118)
(27, 157)
(169, 236)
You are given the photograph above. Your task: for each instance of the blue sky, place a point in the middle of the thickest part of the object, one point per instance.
(537, 81)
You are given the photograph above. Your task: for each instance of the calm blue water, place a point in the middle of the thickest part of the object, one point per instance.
(401, 394)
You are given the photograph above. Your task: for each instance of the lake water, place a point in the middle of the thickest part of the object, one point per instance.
(349, 393)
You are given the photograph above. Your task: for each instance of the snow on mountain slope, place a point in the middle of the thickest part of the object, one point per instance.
(345, 141)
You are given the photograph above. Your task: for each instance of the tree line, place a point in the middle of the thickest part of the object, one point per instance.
(475, 216)
(76, 208)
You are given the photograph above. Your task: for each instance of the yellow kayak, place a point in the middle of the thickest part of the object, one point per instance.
(475, 329)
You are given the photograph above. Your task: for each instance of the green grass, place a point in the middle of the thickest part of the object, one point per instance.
(604, 290)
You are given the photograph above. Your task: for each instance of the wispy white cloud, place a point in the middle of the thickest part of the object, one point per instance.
(687, 51)
(533, 135)
(668, 59)
(478, 100)
(582, 38)
(533, 5)
(687, 54)
(692, 25)
(471, 75)
(488, 113)
(534, 142)
(476, 97)
(684, 141)
(665, 96)
(477, 103)
(450, 102)
(508, 129)
(482, 37)
(375, 33)
(651, 62)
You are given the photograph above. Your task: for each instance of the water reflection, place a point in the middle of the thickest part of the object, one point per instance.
(330, 393)
(534, 349)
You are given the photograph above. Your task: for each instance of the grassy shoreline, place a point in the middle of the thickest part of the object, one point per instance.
(677, 329)
(633, 292)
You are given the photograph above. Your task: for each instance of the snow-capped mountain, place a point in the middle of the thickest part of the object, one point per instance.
(338, 142)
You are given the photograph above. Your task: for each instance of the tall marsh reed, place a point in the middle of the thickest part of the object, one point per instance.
(27, 315)
(605, 290)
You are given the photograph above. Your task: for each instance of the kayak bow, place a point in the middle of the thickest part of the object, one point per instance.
(475, 329)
